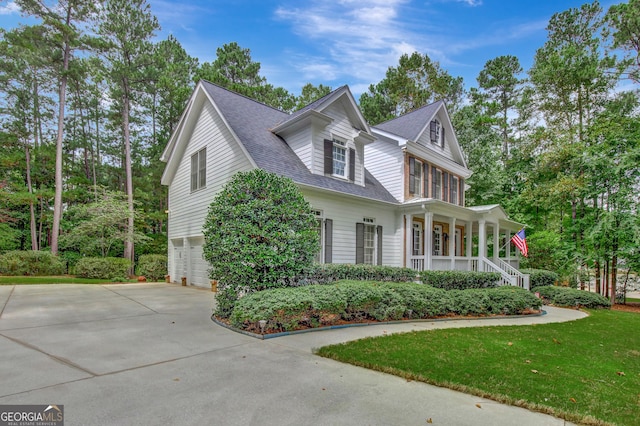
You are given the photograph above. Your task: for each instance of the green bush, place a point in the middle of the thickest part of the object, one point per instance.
(107, 268)
(540, 277)
(153, 266)
(310, 306)
(460, 280)
(332, 272)
(565, 296)
(31, 262)
(259, 234)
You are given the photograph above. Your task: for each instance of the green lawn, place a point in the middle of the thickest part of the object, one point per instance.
(11, 280)
(631, 299)
(585, 371)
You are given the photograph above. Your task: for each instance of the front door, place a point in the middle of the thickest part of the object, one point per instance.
(437, 240)
(417, 245)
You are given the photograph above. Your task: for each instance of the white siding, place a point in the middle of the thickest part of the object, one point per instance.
(225, 157)
(187, 210)
(386, 163)
(346, 212)
(342, 128)
(425, 140)
(300, 143)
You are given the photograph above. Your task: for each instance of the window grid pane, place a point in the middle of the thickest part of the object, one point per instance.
(339, 160)
(369, 244)
(417, 175)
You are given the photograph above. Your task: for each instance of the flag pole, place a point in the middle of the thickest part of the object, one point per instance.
(509, 242)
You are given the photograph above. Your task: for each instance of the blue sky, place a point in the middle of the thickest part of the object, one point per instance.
(336, 42)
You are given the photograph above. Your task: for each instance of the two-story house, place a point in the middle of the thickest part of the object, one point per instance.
(386, 195)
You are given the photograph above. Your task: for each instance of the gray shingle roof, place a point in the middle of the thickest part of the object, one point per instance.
(251, 121)
(411, 124)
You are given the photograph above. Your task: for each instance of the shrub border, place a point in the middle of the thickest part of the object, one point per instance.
(363, 324)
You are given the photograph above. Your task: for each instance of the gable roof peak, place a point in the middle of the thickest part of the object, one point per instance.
(203, 81)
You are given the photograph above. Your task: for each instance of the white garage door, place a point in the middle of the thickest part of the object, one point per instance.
(198, 267)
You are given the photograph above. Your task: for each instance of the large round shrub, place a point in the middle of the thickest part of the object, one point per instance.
(259, 233)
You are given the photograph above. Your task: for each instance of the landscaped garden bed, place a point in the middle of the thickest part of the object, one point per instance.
(358, 302)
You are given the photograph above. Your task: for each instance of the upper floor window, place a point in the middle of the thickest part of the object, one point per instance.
(199, 170)
(339, 158)
(453, 198)
(437, 184)
(437, 133)
(417, 178)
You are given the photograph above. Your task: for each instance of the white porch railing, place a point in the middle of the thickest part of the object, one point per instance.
(417, 263)
(521, 280)
(508, 274)
(505, 277)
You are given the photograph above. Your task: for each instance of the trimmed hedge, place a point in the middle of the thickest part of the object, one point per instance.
(313, 306)
(153, 266)
(460, 280)
(540, 277)
(31, 262)
(108, 268)
(332, 272)
(565, 296)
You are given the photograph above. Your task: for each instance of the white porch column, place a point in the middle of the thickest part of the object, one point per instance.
(496, 242)
(408, 240)
(452, 242)
(482, 244)
(428, 240)
(507, 247)
(469, 247)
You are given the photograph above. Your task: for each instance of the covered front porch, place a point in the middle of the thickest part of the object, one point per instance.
(442, 236)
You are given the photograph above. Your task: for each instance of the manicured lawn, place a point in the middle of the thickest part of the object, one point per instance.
(584, 371)
(631, 299)
(10, 280)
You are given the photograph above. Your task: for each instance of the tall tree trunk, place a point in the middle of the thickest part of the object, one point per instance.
(128, 244)
(32, 214)
(57, 199)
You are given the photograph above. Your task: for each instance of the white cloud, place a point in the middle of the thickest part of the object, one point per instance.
(9, 8)
(360, 39)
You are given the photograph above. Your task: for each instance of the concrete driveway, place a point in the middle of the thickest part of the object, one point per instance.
(148, 354)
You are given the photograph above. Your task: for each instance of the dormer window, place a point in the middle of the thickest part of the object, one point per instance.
(437, 133)
(339, 158)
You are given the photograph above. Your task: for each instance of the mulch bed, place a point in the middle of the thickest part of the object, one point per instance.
(628, 307)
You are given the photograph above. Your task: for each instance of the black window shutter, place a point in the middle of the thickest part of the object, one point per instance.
(442, 136)
(433, 127)
(328, 240)
(425, 175)
(433, 182)
(412, 175)
(445, 184)
(352, 164)
(379, 254)
(461, 192)
(359, 242)
(328, 156)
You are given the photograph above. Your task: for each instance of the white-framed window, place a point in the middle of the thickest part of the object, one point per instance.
(417, 178)
(417, 239)
(436, 132)
(339, 158)
(369, 241)
(437, 240)
(437, 186)
(319, 227)
(199, 170)
(454, 190)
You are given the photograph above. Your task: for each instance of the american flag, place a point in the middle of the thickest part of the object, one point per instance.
(521, 242)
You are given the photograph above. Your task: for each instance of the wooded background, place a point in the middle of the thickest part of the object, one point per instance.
(88, 102)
